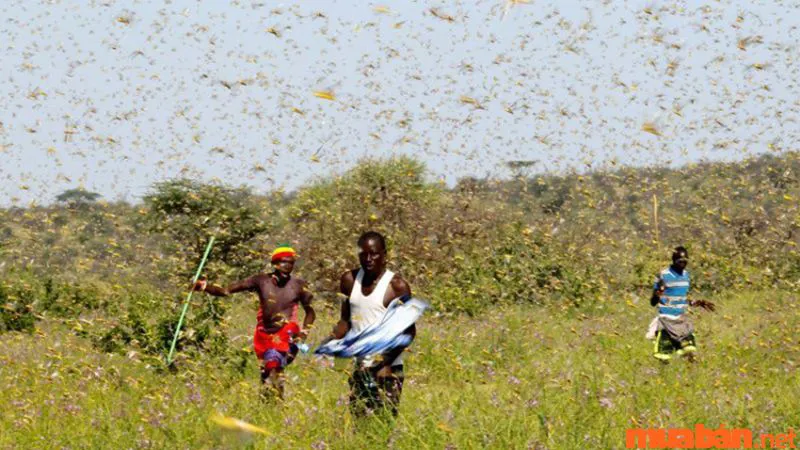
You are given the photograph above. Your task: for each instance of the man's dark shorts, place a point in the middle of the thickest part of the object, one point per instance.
(369, 394)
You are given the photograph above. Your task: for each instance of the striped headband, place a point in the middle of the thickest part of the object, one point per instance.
(282, 251)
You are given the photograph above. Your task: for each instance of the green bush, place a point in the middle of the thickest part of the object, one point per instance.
(148, 325)
(16, 307)
(70, 300)
(388, 196)
(189, 213)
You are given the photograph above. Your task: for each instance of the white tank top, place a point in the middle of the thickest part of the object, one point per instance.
(368, 309)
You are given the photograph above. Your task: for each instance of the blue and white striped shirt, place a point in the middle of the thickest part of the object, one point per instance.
(673, 301)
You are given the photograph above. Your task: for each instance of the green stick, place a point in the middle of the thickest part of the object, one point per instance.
(189, 298)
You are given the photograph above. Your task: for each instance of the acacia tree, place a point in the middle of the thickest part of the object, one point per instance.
(75, 198)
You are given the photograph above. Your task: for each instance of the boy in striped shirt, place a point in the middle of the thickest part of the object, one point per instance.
(674, 329)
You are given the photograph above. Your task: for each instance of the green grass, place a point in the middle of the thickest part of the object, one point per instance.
(518, 377)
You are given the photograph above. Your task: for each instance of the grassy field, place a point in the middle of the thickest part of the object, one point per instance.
(517, 377)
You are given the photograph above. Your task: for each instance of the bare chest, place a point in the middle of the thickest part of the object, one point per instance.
(279, 298)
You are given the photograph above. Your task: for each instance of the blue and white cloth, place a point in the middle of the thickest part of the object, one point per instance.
(380, 337)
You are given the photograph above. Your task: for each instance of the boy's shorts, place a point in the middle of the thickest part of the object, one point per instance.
(665, 346)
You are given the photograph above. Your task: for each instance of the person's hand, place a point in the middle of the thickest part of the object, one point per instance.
(200, 285)
(658, 293)
(708, 306)
(384, 372)
(340, 329)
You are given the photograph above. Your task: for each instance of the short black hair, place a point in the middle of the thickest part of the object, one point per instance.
(679, 250)
(372, 235)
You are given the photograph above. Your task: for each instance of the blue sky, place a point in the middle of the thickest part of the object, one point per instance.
(114, 96)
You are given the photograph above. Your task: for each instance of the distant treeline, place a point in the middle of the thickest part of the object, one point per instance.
(571, 240)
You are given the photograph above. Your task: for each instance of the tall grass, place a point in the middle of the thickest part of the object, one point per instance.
(515, 377)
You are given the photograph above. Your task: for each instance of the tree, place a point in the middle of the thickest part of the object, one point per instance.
(75, 198)
(190, 212)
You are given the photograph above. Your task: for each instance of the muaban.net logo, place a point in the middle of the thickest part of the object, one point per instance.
(702, 437)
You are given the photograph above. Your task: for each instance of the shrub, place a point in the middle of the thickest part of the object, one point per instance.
(16, 308)
(189, 213)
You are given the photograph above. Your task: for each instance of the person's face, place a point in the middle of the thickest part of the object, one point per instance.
(681, 262)
(372, 256)
(284, 266)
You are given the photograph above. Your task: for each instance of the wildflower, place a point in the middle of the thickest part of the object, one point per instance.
(195, 397)
(156, 421)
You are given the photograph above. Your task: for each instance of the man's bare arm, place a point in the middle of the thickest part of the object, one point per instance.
(310, 315)
(249, 284)
(400, 288)
(345, 288)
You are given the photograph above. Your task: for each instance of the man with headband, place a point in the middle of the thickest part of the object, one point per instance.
(673, 330)
(277, 328)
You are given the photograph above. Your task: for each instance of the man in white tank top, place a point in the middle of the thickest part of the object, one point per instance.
(377, 381)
